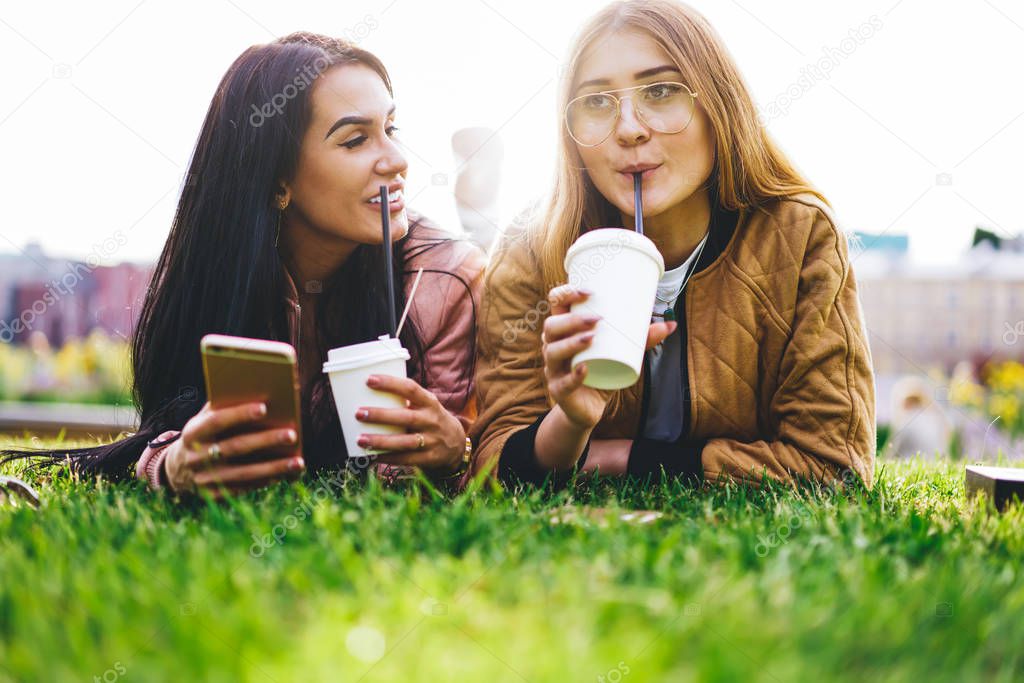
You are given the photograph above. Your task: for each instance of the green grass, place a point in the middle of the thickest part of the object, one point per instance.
(907, 582)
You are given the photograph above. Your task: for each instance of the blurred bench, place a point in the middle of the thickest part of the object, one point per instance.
(76, 419)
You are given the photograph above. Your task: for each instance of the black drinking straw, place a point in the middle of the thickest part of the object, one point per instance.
(385, 219)
(638, 203)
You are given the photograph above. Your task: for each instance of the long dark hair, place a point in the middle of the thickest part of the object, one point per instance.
(220, 270)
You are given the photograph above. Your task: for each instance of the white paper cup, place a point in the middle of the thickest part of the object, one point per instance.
(348, 368)
(621, 268)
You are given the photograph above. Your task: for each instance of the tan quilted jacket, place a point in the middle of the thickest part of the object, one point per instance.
(779, 366)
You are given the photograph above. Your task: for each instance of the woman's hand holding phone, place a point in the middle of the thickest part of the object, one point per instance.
(206, 457)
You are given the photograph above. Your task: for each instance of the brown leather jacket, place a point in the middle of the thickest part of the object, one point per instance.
(779, 370)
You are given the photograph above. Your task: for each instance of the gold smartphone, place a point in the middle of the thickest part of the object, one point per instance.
(241, 370)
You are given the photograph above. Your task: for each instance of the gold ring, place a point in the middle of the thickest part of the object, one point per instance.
(214, 452)
(422, 442)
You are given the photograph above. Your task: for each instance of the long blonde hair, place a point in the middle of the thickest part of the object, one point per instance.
(749, 168)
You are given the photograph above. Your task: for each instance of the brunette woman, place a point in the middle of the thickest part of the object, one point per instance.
(278, 236)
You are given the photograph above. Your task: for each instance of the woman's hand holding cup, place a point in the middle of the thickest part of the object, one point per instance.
(567, 334)
(434, 439)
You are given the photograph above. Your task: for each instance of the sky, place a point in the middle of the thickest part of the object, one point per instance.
(907, 114)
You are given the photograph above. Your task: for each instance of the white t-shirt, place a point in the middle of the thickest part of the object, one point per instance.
(667, 286)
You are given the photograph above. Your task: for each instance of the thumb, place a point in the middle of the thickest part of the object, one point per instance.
(658, 332)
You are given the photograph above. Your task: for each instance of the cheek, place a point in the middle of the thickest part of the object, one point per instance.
(326, 182)
(702, 142)
(693, 151)
(597, 166)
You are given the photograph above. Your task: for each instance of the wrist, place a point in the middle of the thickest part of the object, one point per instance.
(539, 453)
(150, 466)
(457, 456)
(560, 442)
(455, 447)
(465, 457)
(174, 471)
(449, 474)
(569, 426)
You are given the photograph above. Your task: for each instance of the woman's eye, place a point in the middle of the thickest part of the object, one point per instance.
(662, 91)
(598, 102)
(354, 142)
(392, 131)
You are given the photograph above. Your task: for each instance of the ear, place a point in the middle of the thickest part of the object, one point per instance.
(283, 196)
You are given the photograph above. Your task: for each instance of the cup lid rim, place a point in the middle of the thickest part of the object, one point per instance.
(630, 240)
(383, 351)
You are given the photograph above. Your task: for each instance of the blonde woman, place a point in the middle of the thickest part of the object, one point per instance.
(758, 364)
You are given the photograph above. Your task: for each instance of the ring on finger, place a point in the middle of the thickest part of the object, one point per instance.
(214, 452)
(420, 442)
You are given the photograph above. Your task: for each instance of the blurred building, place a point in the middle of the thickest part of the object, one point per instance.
(65, 299)
(924, 317)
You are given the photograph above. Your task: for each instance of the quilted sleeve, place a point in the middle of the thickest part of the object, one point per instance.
(823, 412)
(510, 388)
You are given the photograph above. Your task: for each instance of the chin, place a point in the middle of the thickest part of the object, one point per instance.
(399, 229)
(400, 226)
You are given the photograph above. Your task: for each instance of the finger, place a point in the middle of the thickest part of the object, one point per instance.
(658, 332)
(199, 456)
(400, 417)
(558, 327)
(258, 473)
(394, 442)
(407, 388)
(557, 354)
(564, 296)
(271, 439)
(205, 428)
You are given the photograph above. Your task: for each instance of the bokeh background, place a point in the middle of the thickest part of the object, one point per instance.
(904, 113)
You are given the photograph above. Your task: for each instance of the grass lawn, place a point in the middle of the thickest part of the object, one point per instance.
(906, 583)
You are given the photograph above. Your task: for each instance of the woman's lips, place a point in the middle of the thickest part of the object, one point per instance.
(646, 172)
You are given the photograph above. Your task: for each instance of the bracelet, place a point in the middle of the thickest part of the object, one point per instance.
(156, 443)
(467, 456)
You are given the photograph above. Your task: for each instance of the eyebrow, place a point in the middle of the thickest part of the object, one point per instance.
(354, 120)
(639, 75)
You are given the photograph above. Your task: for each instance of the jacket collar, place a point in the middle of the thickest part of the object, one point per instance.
(291, 292)
(721, 228)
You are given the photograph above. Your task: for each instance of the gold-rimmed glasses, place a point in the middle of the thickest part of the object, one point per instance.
(666, 107)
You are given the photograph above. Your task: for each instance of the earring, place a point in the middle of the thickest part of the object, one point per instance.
(282, 204)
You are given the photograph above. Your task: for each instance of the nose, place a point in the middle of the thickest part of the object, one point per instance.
(391, 162)
(629, 129)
